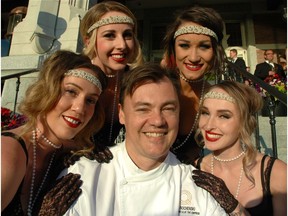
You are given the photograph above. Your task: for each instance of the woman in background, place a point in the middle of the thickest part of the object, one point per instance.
(109, 32)
(193, 47)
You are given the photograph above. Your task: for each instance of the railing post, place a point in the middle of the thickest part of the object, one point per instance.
(16, 96)
(271, 107)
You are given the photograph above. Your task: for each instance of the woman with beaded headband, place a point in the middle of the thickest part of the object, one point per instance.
(109, 32)
(193, 46)
(227, 122)
(63, 112)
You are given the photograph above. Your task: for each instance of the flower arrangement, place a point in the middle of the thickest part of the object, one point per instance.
(10, 120)
(275, 81)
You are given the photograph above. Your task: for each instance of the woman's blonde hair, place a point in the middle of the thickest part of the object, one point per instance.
(42, 96)
(93, 15)
(248, 102)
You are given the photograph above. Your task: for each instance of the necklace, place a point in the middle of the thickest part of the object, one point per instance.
(107, 75)
(189, 80)
(228, 160)
(113, 110)
(240, 177)
(195, 121)
(48, 141)
(31, 200)
(111, 75)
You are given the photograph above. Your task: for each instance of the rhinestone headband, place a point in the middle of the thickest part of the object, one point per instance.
(110, 20)
(219, 95)
(195, 30)
(85, 75)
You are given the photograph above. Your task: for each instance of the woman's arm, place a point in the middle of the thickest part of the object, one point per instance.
(13, 168)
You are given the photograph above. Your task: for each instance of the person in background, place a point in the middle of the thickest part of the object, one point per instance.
(62, 112)
(248, 81)
(239, 63)
(227, 122)
(193, 46)
(144, 173)
(269, 68)
(283, 61)
(109, 33)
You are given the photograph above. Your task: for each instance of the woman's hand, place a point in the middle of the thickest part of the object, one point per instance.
(100, 154)
(61, 196)
(217, 188)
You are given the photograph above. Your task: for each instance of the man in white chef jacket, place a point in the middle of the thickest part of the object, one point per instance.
(144, 177)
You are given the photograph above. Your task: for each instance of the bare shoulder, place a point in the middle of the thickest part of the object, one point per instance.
(12, 153)
(13, 163)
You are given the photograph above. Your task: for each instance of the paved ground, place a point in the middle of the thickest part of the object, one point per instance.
(266, 138)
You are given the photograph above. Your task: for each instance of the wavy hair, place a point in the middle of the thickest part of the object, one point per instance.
(93, 15)
(42, 96)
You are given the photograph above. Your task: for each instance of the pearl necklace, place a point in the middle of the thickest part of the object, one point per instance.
(31, 201)
(228, 160)
(195, 121)
(189, 80)
(111, 75)
(113, 110)
(240, 177)
(48, 141)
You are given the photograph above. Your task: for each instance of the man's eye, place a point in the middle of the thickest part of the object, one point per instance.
(171, 109)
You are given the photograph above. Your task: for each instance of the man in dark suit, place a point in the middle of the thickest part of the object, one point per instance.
(238, 62)
(269, 68)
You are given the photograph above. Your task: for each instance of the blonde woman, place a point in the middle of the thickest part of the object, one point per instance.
(257, 181)
(63, 112)
(109, 32)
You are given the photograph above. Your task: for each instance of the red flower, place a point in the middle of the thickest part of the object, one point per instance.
(9, 120)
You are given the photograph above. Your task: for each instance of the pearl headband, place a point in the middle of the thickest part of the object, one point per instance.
(195, 30)
(85, 75)
(219, 95)
(110, 20)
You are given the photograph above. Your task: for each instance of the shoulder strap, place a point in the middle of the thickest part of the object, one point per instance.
(20, 140)
(265, 174)
(262, 173)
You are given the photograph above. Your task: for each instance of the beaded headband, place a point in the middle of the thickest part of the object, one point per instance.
(110, 20)
(85, 75)
(219, 95)
(195, 30)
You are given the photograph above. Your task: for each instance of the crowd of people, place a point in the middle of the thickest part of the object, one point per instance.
(107, 134)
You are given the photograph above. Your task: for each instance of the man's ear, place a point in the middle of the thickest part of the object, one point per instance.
(121, 114)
